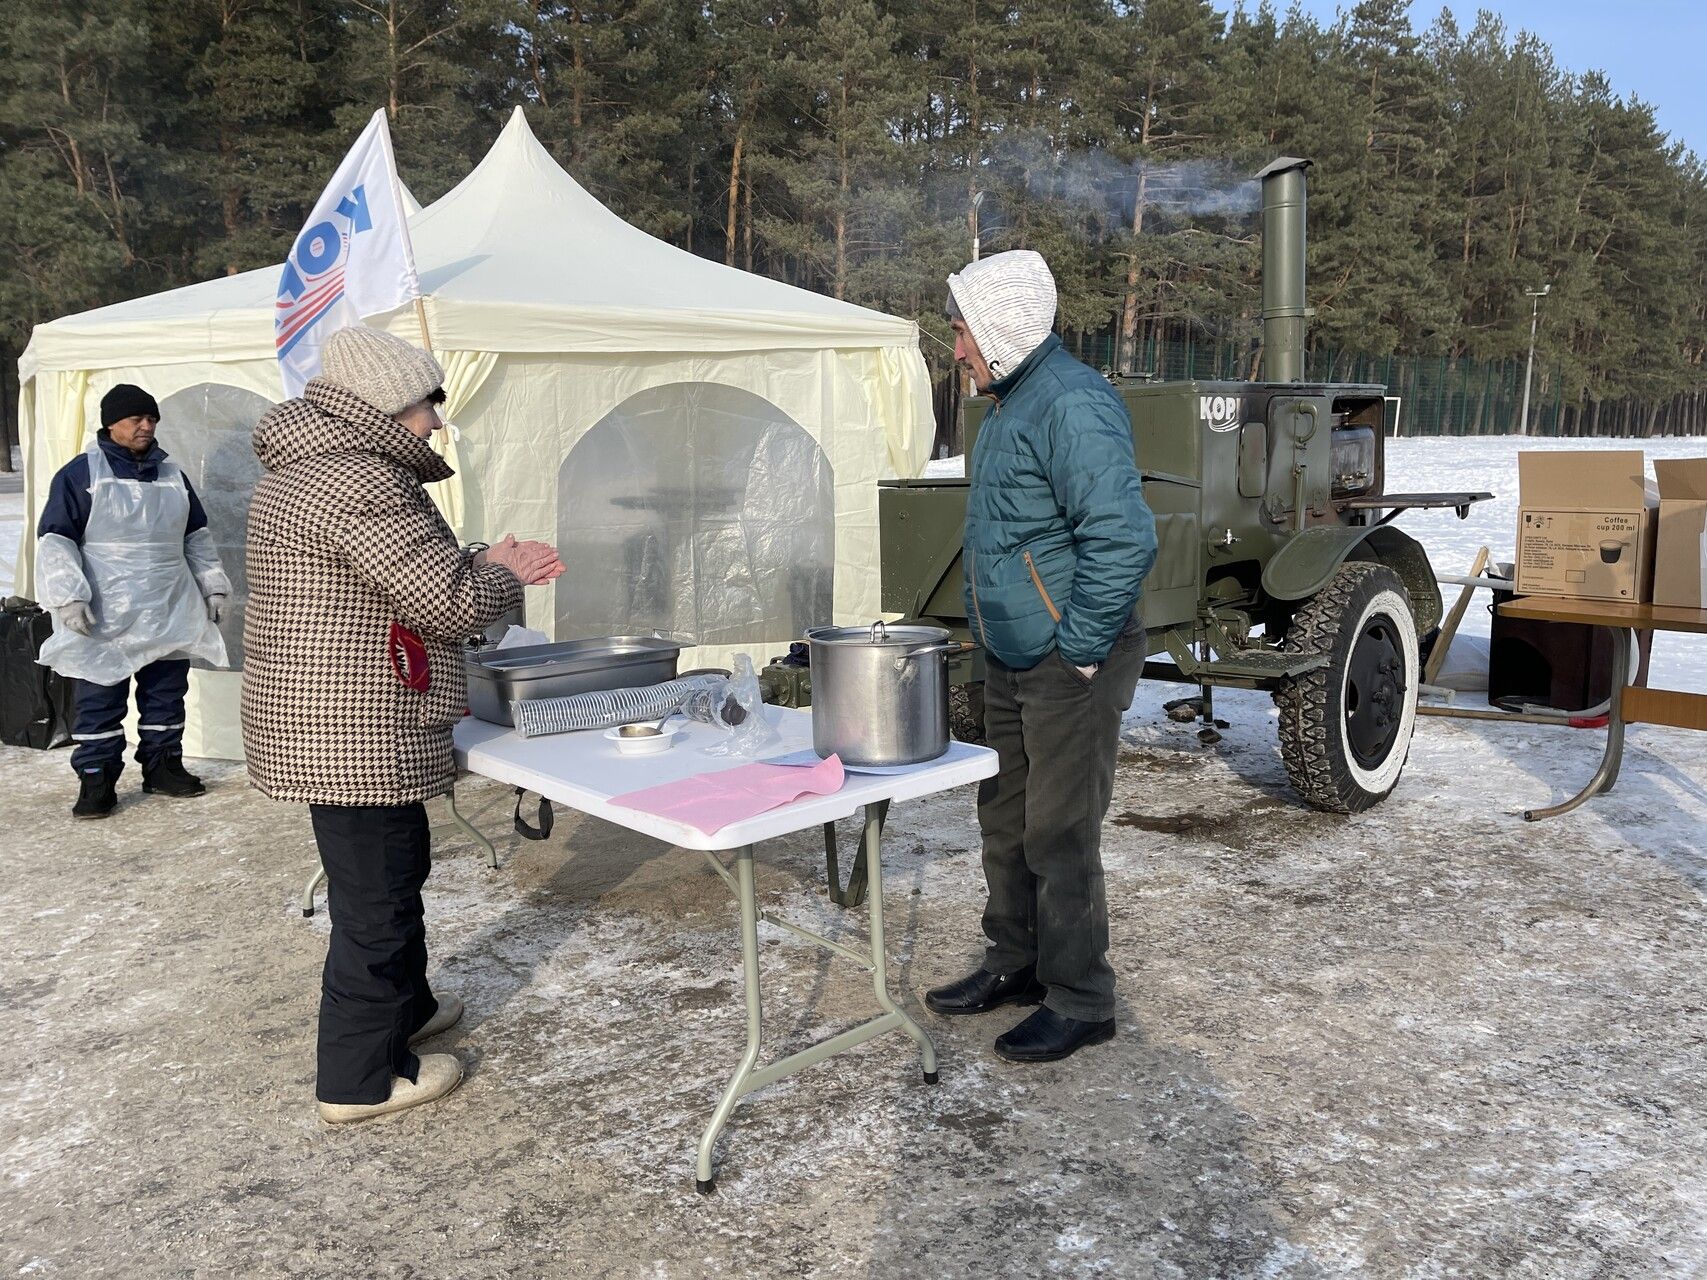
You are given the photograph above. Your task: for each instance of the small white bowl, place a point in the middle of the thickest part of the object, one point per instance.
(649, 745)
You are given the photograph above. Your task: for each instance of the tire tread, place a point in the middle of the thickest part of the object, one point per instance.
(1306, 742)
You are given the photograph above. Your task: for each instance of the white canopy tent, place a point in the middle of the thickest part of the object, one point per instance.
(703, 444)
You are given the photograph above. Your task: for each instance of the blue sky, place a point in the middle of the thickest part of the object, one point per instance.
(1652, 49)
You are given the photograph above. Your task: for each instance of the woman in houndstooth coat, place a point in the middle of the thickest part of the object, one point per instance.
(360, 600)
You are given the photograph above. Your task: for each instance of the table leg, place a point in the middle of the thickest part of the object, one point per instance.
(1607, 774)
(314, 882)
(468, 828)
(853, 893)
(748, 899)
(872, 843)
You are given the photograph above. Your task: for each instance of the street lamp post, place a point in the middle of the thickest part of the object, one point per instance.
(1529, 366)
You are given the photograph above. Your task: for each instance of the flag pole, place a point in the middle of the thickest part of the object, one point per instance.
(421, 315)
(403, 219)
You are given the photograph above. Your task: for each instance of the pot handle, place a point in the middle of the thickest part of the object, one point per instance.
(945, 646)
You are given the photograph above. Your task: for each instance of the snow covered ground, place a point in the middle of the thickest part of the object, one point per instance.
(1444, 464)
(1428, 1040)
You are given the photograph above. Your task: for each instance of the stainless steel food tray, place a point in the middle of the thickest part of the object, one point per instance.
(498, 677)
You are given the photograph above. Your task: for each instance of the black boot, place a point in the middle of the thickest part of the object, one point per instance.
(168, 777)
(982, 991)
(1047, 1036)
(97, 796)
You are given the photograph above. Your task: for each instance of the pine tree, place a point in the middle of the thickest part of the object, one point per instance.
(80, 169)
(1173, 45)
(252, 130)
(839, 171)
(617, 92)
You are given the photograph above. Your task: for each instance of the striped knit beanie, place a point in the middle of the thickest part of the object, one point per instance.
(1008, 303)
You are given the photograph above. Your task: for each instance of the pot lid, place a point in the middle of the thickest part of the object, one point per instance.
(879, 633)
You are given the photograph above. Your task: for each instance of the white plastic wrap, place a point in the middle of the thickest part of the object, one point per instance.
(60, 579)
(697, 511)
(741, 712)
(144, 597)
(203, 558)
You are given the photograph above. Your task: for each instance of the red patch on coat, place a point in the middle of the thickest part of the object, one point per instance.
(409, 659)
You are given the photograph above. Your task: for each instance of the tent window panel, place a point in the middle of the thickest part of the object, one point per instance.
(700, 511)
(206, 429)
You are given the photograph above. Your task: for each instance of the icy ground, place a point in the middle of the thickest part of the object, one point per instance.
(1427, 1041)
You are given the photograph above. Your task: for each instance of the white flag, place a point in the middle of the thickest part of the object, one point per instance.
(352, 260)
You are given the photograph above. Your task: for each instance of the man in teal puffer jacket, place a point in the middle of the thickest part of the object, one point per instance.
(1058, 541)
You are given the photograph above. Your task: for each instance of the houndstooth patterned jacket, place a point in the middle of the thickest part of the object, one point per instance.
(344, 542)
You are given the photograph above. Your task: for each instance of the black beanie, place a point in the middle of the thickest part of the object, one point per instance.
(126, 401)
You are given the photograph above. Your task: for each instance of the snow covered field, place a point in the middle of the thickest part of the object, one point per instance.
(1489, 463)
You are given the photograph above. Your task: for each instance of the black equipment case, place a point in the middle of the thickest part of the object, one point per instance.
(35, 703)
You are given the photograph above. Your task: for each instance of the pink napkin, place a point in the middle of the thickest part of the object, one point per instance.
(711, 801)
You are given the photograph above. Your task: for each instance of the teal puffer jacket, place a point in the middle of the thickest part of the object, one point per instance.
(1058, 538)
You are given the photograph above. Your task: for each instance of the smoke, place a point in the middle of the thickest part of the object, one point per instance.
(1107, 191)
(1201, 188)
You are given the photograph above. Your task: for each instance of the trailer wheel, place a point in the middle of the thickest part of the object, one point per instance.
(966, 712)
(1345, 728)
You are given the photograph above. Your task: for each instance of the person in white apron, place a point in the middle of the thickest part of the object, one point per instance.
(127, 568)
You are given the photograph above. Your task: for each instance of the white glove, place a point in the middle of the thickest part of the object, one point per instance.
(215, 605)
(76, 616)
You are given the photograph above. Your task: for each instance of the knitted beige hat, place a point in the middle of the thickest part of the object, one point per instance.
(387, 372)
(1008, 303)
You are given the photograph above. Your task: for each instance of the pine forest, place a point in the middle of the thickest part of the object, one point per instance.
(858, 147)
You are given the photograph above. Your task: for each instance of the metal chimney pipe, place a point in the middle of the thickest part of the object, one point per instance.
(1283, 310)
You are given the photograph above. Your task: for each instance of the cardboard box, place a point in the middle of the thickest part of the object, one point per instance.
(1585, 524)
(1680, 557)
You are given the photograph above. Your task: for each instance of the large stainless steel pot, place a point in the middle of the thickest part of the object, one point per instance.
(880, 693)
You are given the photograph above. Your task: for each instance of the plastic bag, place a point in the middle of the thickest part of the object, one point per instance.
(741, 710)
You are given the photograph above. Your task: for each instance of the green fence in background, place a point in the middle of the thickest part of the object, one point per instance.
(1438, 395)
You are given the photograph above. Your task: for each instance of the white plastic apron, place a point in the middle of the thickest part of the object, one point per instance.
(144, 597)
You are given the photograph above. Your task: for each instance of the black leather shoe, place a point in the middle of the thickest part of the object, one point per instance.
(1047, 1036)
(96, 794)
(983, 991)
(168, 777)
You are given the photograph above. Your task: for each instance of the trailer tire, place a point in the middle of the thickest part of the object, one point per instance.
(1345, 728)
(966, 712)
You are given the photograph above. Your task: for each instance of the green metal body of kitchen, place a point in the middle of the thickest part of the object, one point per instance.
(1278, 567)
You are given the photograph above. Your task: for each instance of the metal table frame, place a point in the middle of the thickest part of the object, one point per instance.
(1629, 704)
(1606, 774)
(748, 1075)
(567, 770)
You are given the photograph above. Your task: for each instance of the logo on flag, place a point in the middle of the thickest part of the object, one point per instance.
(352, 260)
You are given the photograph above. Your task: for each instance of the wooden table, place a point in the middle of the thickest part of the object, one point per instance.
(1630, 704)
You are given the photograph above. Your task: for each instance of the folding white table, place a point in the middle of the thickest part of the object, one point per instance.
(584, 770)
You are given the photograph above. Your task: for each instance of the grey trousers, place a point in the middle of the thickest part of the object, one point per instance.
(1056, 735)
